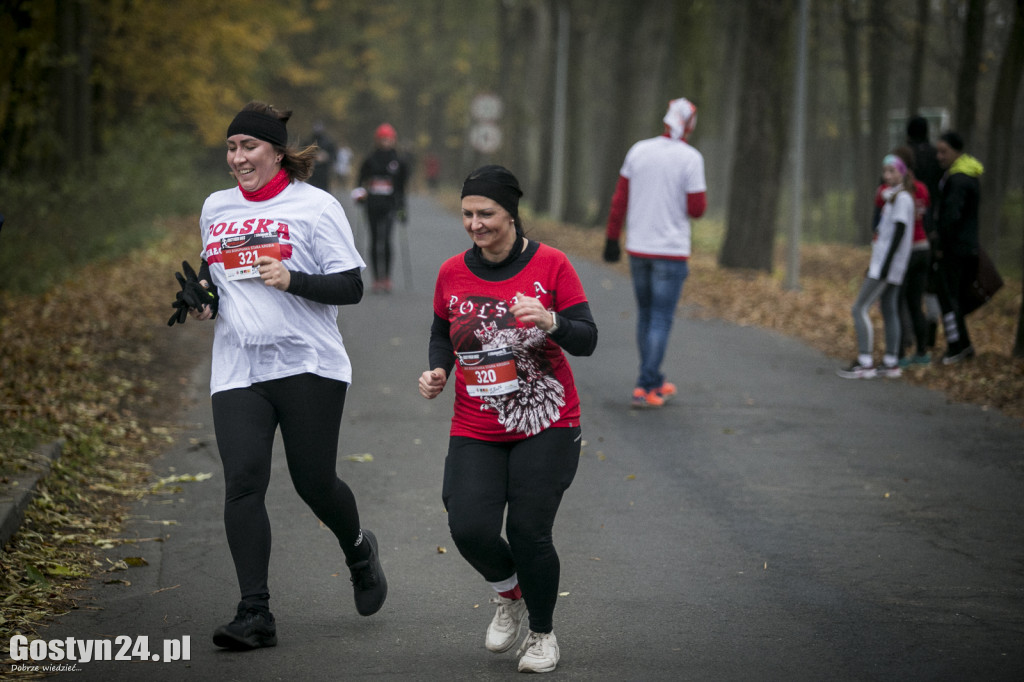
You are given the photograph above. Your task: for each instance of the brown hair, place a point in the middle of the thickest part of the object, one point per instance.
(907, 155)
(297, 163)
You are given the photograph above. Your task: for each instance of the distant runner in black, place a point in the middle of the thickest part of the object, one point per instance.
(381, 187)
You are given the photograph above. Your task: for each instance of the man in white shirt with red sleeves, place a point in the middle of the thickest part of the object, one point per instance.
(661, 188)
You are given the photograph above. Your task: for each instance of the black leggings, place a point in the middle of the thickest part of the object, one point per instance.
(381, 224)
(529, 476)
(915, 282)
(954, 272)
(308, 409)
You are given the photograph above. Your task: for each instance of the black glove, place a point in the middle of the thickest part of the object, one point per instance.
(192, 295)
(612, 252)
(181, 314)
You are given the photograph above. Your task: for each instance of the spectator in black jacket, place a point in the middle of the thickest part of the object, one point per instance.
(926, 168)
(956, 238)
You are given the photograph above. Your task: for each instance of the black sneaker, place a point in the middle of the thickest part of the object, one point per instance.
(252, 628)
(857, 371)
(889, 371)
(368, 581)
(952, 357)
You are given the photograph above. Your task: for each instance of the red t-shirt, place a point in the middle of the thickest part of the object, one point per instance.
(511, 381)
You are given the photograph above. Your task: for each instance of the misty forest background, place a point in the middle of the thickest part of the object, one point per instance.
(112, 112)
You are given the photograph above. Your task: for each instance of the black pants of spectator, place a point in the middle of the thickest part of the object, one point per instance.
(915, 283)
(955, 271)
(308, 409)
(481, 479)
(382, 222)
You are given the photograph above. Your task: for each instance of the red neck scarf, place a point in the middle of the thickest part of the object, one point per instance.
(269, 190)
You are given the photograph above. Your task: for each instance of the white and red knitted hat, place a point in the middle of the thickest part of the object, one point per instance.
(681, 118)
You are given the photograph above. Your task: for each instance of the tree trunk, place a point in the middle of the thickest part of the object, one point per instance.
(622, 35)
(879, 66)
(537, 100)
(967, 82)
(89, 142)
(577, 145)
(854, 103)
(434, 123)
(816, 173)
(16, 103)
(727, 100)
(917, 60)
(1000, 151)
(509, 82)
(74, 101)
(1018, 345)
(67, 101)
(764, 131)
(364, 115)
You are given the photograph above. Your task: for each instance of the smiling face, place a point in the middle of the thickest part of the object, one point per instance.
(491, 226)
(253, 162)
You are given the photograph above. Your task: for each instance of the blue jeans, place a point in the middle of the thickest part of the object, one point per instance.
(657, 285)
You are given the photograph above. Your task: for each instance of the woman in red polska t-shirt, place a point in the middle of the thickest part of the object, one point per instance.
(504, 311)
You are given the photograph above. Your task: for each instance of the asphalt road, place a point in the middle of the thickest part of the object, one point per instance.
(774, 522)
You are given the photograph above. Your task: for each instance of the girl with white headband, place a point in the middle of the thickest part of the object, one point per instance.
(890, 253)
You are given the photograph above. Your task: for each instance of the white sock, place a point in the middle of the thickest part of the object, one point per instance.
(507, 584)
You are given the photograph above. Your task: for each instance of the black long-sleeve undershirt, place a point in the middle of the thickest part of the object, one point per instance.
(897, 237)
(337, 288)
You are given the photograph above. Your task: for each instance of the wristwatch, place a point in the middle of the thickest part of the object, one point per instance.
(554, 324)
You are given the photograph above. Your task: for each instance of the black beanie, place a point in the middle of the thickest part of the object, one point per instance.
(261, 126)
(497, 183)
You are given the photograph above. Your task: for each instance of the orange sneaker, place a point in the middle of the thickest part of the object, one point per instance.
(667, 390)
(642, 398)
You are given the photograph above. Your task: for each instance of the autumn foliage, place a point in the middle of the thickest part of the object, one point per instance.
(90, 364)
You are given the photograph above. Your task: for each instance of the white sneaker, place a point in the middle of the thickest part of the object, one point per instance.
(541, 653)
(503, 631)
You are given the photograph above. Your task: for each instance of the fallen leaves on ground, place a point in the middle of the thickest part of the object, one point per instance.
(364, 457)
(90, 363)
(93, 363)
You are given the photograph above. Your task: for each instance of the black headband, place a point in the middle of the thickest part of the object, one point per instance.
(261, 126)
(505, 194)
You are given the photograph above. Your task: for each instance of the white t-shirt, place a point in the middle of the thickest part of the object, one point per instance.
(263, 333)
(661, 172)
(900, 210)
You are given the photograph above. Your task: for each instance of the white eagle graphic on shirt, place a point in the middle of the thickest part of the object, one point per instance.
(538, 402)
